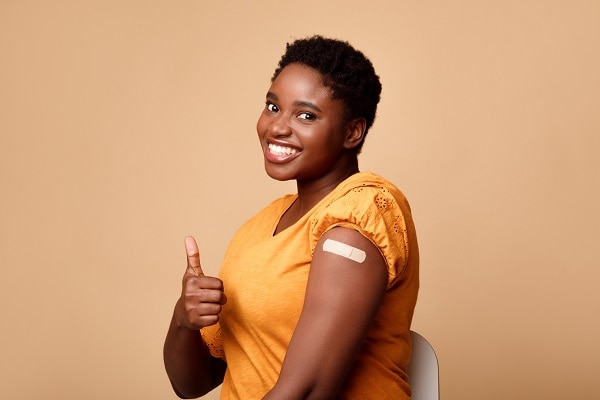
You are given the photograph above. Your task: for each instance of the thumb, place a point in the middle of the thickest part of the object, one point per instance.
(193, 256)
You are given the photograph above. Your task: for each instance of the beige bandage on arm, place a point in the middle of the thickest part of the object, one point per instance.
(344, 250)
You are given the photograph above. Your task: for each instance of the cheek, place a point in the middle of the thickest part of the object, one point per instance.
(261, 125)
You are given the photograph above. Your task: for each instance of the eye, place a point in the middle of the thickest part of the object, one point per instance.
(306, 116)
(272, 107)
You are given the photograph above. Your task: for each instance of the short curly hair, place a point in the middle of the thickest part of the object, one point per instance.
(347, 71)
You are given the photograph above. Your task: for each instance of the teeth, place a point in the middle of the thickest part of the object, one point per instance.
(281, 150)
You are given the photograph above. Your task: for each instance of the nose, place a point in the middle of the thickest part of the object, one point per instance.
(280, 126)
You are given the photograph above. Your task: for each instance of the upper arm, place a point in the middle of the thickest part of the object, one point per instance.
(342, 298)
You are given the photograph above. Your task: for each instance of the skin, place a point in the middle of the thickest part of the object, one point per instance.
(300, 115)
(192, 371)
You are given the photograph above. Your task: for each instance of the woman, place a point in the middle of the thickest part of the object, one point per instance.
(317, 291)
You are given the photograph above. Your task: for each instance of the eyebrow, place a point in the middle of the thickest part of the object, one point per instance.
(300, 103)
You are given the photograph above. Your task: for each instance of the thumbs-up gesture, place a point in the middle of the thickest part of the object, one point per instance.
(202, 297)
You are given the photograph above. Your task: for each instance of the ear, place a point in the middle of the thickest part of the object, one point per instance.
(355, 132)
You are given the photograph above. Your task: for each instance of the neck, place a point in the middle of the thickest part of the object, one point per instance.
(310, 192)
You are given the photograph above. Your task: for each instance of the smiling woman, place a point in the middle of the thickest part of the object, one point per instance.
(316, 293)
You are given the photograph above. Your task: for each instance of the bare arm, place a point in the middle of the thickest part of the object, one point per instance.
(342, 300)
(192, 371)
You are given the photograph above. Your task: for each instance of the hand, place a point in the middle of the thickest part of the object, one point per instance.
(202, 297)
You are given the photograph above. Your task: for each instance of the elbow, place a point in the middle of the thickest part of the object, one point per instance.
(188, 392)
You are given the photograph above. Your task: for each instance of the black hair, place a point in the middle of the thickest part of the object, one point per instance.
(347, 71)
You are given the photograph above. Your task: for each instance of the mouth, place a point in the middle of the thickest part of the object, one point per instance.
(281, 150)
(280, 154)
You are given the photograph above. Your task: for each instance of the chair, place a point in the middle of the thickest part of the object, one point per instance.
(423, 370)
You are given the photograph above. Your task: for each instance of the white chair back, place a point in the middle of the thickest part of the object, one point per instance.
(423, 370)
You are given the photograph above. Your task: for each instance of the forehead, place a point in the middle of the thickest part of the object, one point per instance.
(301, 81)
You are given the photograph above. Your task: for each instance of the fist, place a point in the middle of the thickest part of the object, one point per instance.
(202, 297)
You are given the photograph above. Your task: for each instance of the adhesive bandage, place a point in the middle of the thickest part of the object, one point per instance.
(344, 250)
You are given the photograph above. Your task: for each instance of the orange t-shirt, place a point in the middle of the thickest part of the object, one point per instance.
(265, 277)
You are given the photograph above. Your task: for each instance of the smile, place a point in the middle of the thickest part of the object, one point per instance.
(281, 150)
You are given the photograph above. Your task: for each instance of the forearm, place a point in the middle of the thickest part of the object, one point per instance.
(192, 371)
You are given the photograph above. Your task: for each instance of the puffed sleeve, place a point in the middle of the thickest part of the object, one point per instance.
(375, 212)
(211, 335)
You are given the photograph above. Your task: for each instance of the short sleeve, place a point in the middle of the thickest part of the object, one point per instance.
(375, 212)
(211, 335)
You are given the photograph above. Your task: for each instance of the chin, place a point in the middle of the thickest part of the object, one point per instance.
(278, 175)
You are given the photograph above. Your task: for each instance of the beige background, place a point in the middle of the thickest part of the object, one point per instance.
(126, 125)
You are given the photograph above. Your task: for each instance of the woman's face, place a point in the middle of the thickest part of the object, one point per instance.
(301, 128)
